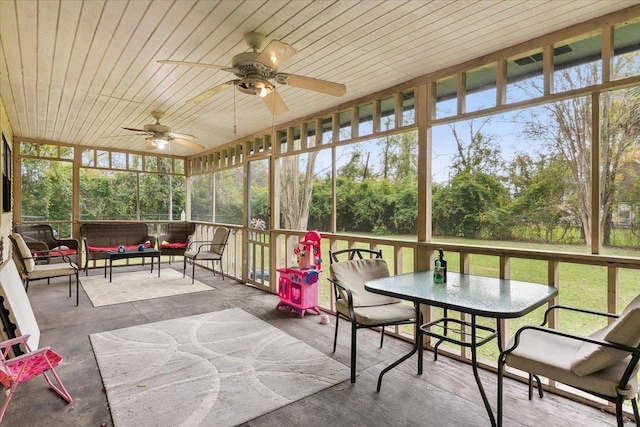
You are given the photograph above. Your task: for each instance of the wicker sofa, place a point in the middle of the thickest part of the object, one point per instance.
(175, 240)
(100, 237)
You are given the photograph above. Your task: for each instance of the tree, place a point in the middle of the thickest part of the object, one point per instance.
(565, 127)
(478, 153)
(472, 206)
(296, 190)
(539, 192)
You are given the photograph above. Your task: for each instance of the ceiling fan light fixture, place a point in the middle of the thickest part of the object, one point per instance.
(158, 142)
(263, 89)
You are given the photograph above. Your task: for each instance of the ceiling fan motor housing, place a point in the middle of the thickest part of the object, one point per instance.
(245, 65)
(156, 128)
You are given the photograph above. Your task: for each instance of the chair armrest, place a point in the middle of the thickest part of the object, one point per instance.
(13, 341)
(575, 309)
(200, 244)
(345, 288)
(5, 346)
(44, 255)
(36, 246)
(151, 239)
(162, 238)
(516, 339)
(70, 243)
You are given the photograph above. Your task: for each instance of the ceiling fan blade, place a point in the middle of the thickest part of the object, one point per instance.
(275, 103)
(188, 143)
(197, 64)
(309, 83)
(211, 92)
(188, 137)
(136, 130)
(276, 53)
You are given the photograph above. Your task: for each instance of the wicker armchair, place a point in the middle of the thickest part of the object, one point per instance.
(45, 245)
(176, 239)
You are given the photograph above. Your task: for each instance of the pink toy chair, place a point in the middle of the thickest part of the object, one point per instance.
(20, 369)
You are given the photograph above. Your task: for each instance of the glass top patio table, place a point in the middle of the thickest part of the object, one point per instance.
(466, 293)
(479, 295)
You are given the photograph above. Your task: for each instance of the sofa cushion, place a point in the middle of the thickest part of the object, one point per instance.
(173, 245)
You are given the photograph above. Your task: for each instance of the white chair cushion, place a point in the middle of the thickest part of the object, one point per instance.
(52, 270)
(625, 330)
(376, 315)
(355, 273)
(25, 253)
(551, 356)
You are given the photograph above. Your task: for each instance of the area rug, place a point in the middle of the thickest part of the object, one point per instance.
(138, 286)
(215, 369)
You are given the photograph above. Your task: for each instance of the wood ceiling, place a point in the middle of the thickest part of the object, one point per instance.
(76, 72)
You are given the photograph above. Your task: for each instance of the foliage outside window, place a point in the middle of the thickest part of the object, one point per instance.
(202, 197)
(229, 194)
(47, 191)
(305, 191)
(620, 169)
(376, 188)
(108, 195)
(517, 178)
(258, 177)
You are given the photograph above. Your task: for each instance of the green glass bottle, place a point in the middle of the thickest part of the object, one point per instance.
(437, 273)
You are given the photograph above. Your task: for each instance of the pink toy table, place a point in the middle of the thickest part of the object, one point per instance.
(298, 286)
(298, 289)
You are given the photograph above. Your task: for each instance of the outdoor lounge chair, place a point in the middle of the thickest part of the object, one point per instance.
(31, 270)
(207, 250)
(603, 364)
(362, 308)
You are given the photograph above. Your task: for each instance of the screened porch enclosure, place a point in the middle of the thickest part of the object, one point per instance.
(523, 164)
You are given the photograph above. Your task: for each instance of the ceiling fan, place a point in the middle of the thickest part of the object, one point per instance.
(255, 71)
(160, 135)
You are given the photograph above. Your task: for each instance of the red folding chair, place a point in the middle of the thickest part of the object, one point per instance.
(20, 369)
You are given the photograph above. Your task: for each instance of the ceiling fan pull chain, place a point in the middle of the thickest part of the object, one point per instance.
(234, 112)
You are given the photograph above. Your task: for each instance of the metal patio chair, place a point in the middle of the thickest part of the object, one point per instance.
(362, 308)
(603, 364)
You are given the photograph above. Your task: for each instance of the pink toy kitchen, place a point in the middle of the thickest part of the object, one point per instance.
(298, 285)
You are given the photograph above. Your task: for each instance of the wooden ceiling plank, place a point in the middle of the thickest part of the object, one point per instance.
(11, 69)
(99, 20)
(67, 27)
(128, 20)
(27, 21)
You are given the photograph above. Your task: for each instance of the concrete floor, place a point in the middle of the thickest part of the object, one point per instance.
(445, 395)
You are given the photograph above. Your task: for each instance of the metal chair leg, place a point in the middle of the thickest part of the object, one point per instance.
(619, 417)
(382, 337)
(335, 335)
(634, 404)
(353, 351)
